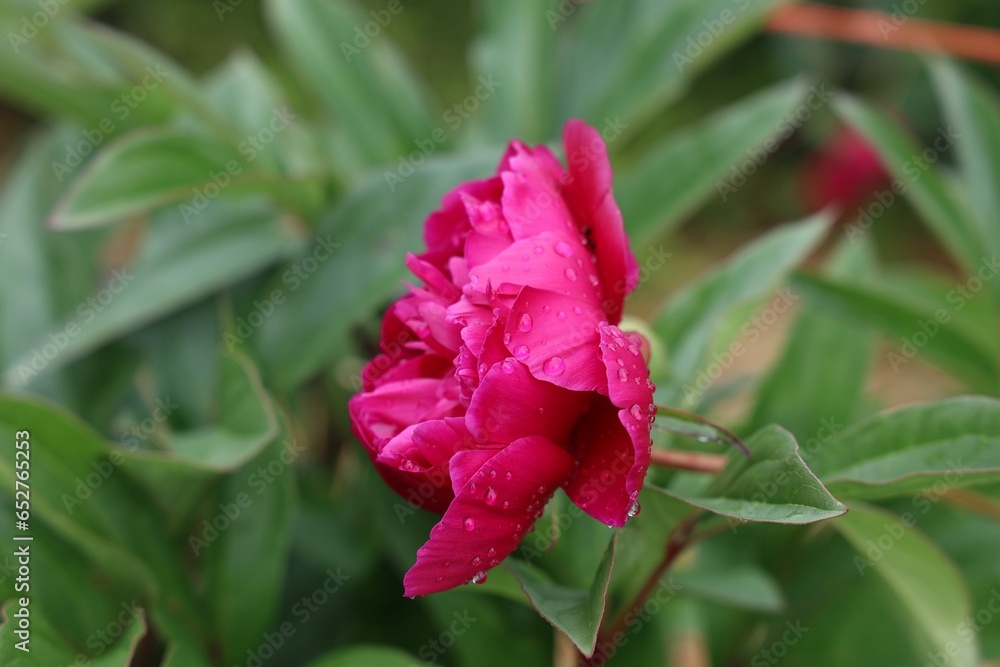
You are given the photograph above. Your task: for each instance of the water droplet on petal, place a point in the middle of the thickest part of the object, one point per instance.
(578, 310)
(541, 489)
(507, 366)
(635, 411)
(521, 352)
(546, 309)
(491, 496)
(554, 366)
(623, 375)
(469, 523)
(477, 560)
(506, 339)
(635, 508)
(539, 250)
(479, 577)
(593, 280)
(493, 474)
(505, 504)
(564, 249)
(474, 277)
(633, 349)
(482, 369)
(491, 552)
(524, 324)
(505, 267)
(621, 363)
(508, 475)
(561, 314)
(570, 274)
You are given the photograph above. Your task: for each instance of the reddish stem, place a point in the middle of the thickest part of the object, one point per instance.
(696, 461)
(676, 542)
(896, 31)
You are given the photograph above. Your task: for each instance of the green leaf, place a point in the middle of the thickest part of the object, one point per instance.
(246, 424)
(741, 585)
(925, 582)
(607, 76)
(682, 169)
(950, 442)
(516, 47)
(144, 171)
(178, 265)
(28, 306)
(575, 612)
(365, 656)
(975, 112)
(690, 319)
(104, 79)
(773, 485)
(817, 384)
(953, 347)
(320, 311)
(362, 81)
(940, 207)
(244, 592)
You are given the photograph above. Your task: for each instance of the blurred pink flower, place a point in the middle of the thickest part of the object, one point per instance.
(845, 172)
(504, 377)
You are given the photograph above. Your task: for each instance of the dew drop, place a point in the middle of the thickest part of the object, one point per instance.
(477, 560)
(621, 363)
(491, 496)
(506, 366)
(505, 267)
(564, 249)
(635, 508)
(541, 489)
(578, 310)
(622, 375)
(482, 369)
(469, 523)
(521, 352)
(491, 552)
(505, 504)
(593, 280)
(554, 366)
(517, 527)
(561, 314)
(493, 474)
(635, 411)
(546, 309)
(479, 577)
(508, 475)
(524, 324)
(633, 349)
(539, 250)
(474, 277)
(570, 273)
(506, 339)
(406, 465)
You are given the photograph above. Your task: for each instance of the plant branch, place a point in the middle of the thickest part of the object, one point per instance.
(696, 461)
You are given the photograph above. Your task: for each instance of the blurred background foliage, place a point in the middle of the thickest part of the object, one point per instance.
(199, 329)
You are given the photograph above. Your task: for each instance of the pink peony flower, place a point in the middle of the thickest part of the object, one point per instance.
(845, 172)
(504, 377)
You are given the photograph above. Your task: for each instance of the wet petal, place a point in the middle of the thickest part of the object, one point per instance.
(589, 195)
(510, 404)
(489, 515)
(556, 337)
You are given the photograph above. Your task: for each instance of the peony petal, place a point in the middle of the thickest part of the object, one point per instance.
(532, 201)
(552, 261)
(557, 339)
(627, 374)
(608, 473)
(489, 515)
(589, 195)
(510, 404)
(446, 229)
(613, 441)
